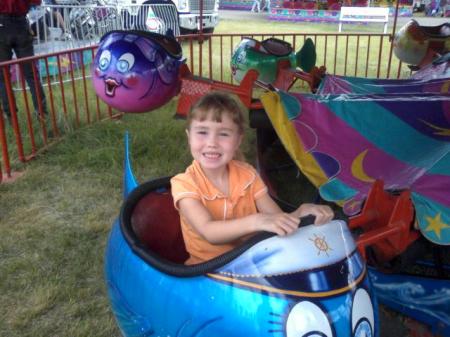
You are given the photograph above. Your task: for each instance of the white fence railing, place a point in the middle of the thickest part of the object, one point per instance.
(65, 27)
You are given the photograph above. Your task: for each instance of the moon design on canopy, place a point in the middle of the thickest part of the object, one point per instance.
(358, 168)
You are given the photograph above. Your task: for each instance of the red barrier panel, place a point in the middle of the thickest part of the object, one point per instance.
(61, 99)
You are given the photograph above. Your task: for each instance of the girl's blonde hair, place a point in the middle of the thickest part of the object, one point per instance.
(214, 105)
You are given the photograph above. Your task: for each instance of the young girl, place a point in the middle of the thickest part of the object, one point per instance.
(222, 200)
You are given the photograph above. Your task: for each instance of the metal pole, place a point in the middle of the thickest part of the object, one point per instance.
(395, 19)
(201, 17)
(391, 39)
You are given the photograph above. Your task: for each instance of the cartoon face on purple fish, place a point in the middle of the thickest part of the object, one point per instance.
(136, 71)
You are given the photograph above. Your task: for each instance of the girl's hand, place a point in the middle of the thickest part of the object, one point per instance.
(278, 223)
(323, 213)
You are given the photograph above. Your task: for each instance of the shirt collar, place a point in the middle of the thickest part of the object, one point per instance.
(241, 176)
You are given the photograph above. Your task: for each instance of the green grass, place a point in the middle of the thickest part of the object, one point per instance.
(55, 219)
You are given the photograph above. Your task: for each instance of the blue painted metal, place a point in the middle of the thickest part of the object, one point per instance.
(254, 295)
(427, 300)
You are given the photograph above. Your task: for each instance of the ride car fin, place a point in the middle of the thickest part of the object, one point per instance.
(129, 181)
(306, 56)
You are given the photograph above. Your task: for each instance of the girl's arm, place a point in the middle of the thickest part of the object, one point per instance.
(225, 231)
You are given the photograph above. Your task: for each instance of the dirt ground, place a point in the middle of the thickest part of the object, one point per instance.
(393, 324)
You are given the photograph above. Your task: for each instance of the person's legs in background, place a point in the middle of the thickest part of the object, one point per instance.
(256, 6)
(24, 48)
(15, 35)
(5, 55)
(57, 20)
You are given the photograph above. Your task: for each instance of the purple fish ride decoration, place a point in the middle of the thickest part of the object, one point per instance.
(137, 71)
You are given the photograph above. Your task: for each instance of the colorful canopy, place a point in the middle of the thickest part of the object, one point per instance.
(343, 143)
(332, 84)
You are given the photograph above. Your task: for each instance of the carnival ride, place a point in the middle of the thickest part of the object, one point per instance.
(324, 290)
(377, 148)
(131, 65)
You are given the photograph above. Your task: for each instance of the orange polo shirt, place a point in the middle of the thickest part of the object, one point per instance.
(246, 186)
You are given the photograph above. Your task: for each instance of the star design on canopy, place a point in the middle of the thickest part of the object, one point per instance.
(436, 225)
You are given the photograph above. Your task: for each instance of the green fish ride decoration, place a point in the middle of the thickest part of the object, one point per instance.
(264, 56)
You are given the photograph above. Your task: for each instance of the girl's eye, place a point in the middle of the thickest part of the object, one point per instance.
(201, 132)
(105, 60)
(223, 134)
(125, 63)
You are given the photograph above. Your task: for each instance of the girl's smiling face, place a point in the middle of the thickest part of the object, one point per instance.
(213, 144)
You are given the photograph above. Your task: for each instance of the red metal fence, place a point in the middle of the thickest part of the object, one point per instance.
(364, 55)
(72, 103)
